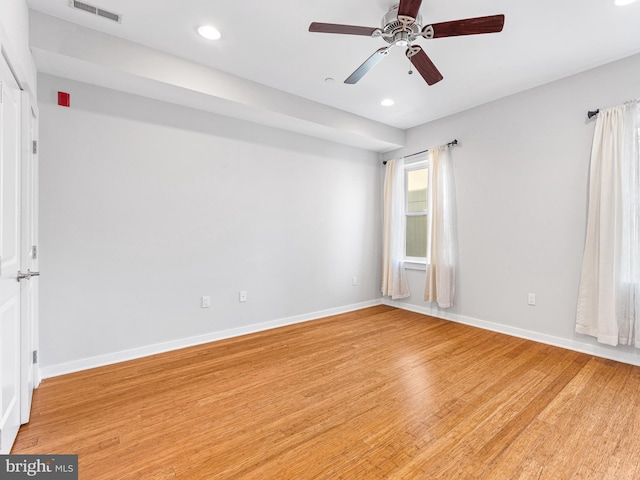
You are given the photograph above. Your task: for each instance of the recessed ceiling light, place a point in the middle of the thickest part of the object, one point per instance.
(621, 3)
(209, 32)
(387, 102)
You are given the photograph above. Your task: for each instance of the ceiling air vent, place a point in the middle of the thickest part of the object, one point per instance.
(85, 7)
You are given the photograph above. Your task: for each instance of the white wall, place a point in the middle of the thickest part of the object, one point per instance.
(14, 40)
(522, 182)
(147, 206)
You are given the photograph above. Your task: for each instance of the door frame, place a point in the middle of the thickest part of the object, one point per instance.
(29, 372)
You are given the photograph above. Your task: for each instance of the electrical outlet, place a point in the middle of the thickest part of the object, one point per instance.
(532, 299)
(205, 302)
(242, 295)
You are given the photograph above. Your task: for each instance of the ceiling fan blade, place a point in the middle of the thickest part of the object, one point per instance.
(369, 63)
(424, 65)
(344, 29)
(408, 11)
(468, 26)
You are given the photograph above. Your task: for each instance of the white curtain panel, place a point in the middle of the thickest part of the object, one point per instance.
(441, 266)
(394, 277)
(609, 295)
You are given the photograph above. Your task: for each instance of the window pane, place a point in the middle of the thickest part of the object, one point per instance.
(417, 190)
(416, 236)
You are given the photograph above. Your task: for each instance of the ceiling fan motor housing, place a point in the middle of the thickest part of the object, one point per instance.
(398, 33)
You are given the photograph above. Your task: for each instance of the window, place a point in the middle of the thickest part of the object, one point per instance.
(420, 197)
(416, 181)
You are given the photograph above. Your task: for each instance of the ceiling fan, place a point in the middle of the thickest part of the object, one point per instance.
(401, 26)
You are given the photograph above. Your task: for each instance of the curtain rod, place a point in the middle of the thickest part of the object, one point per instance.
(593, 113)
(450, 144)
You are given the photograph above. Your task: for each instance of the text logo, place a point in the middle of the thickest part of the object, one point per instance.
(49, 467)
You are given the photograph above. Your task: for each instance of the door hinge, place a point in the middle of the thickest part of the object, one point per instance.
(35, 356)
(35, 147)
(34, 252)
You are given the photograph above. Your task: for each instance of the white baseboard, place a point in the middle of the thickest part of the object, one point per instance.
(624, 356)
(124, 355)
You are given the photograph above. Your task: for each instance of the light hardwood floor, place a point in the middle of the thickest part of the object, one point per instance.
(377, 393)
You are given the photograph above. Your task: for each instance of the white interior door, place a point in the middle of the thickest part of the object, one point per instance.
(10, 178)
(29, 261)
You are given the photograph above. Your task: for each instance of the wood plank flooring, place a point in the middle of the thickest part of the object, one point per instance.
(375, 394)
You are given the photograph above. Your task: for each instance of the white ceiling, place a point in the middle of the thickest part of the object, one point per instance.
(267, 42)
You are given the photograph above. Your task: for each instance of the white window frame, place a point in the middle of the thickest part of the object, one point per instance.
(416, 263)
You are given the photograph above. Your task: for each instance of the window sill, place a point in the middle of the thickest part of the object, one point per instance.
(415, 265)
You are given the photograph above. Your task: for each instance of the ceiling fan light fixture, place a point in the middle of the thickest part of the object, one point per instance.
(622, 3)
(401, 39)
(209, 32)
